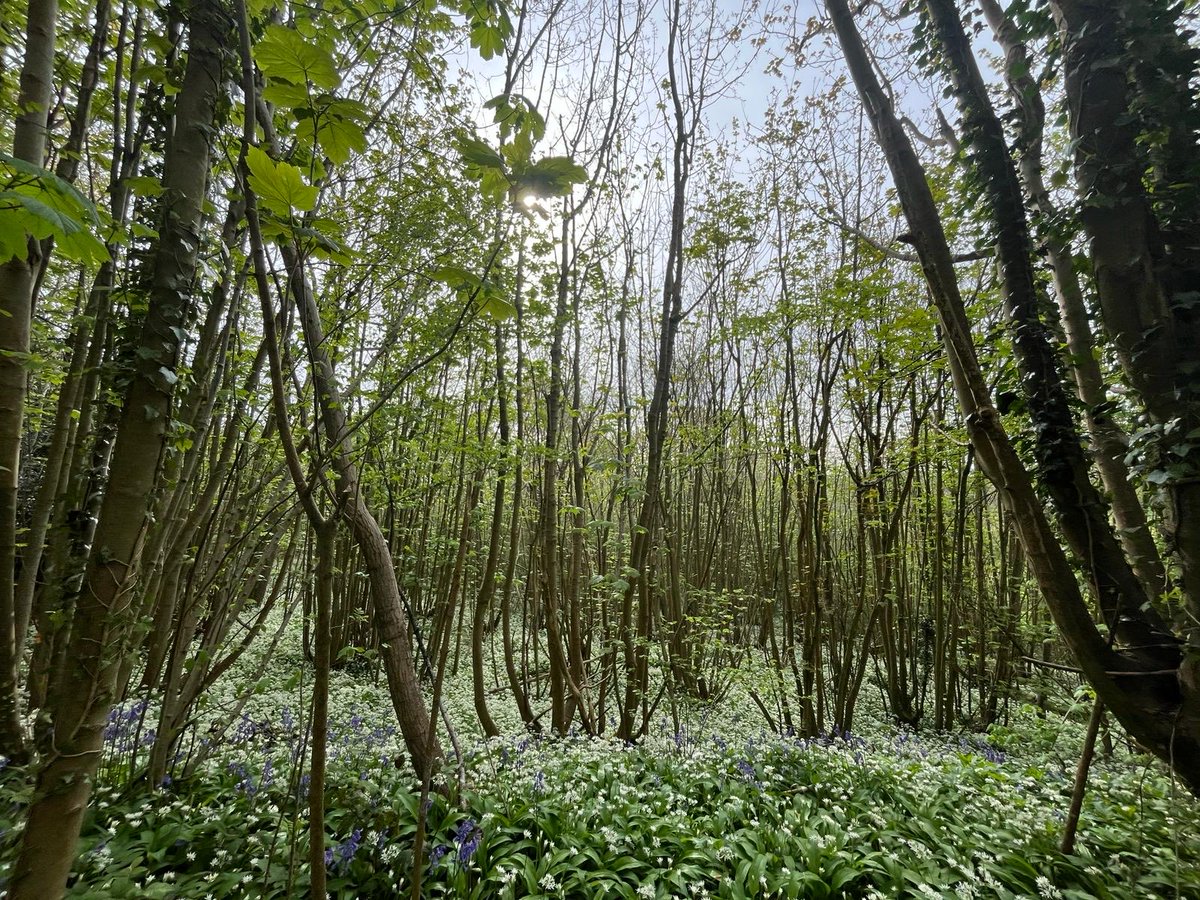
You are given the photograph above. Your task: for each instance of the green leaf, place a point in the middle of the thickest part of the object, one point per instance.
(144, 185)
(552, 176)
(498, 309)
(280, 186)
(22, 215)
(477, 153)
(456, 277)
(321, 245)
(286, 95)
(488, 39)
(284, 55)
(494, 183)
(339, 138)
(34, 201)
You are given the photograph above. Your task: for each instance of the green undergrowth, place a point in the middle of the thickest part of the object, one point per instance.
(708, 805)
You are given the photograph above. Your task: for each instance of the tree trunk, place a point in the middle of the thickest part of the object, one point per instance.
(1137, 700)
(83, 694)
(17, 277)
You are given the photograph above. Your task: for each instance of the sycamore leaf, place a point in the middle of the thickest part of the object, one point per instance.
(515, 114)
(478, 153)
(280, 186)
(494, 184)
(144, 185)
(36, 202)
(284, 55)
(456, 277)
(519, 150)
(285, 94)
(317, 243)
(498, 309)
(14, 230)
(339, 138)
(345, 108)
(552, 176)
(488, 39)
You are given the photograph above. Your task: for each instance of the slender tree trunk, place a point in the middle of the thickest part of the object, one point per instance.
(326, 535)
(17, 278)
(1071, 827)
(636, 637)
(83, 695)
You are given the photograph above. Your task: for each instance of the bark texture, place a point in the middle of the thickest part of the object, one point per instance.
(83, 694)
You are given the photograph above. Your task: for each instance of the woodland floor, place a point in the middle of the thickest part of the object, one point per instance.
(710, 805)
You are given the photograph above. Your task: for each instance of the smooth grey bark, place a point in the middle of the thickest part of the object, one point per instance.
(17, 280)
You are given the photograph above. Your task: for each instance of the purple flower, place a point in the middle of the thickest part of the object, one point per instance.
(467, 837)
(245, 779)
(339, 857)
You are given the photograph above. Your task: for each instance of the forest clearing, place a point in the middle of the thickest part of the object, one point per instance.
(642, 449)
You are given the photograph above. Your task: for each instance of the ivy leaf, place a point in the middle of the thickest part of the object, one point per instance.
(280, 186)
(284, 55)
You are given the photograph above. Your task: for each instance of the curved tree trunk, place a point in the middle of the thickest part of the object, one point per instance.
(1140, 700)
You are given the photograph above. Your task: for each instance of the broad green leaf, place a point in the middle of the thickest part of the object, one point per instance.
(477, 153)
(287, 95)
(144, 185)
(456, 277)
(317, 243)
(339, 138)
(284, 55)
(22, 214)
(494, 183)
(60, 194)
(553, 176)
(498, 309)
(280, 186)
(14, 233)
(487, 39)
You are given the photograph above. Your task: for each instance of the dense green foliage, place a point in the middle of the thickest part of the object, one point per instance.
(710, 804)
(730, 477)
